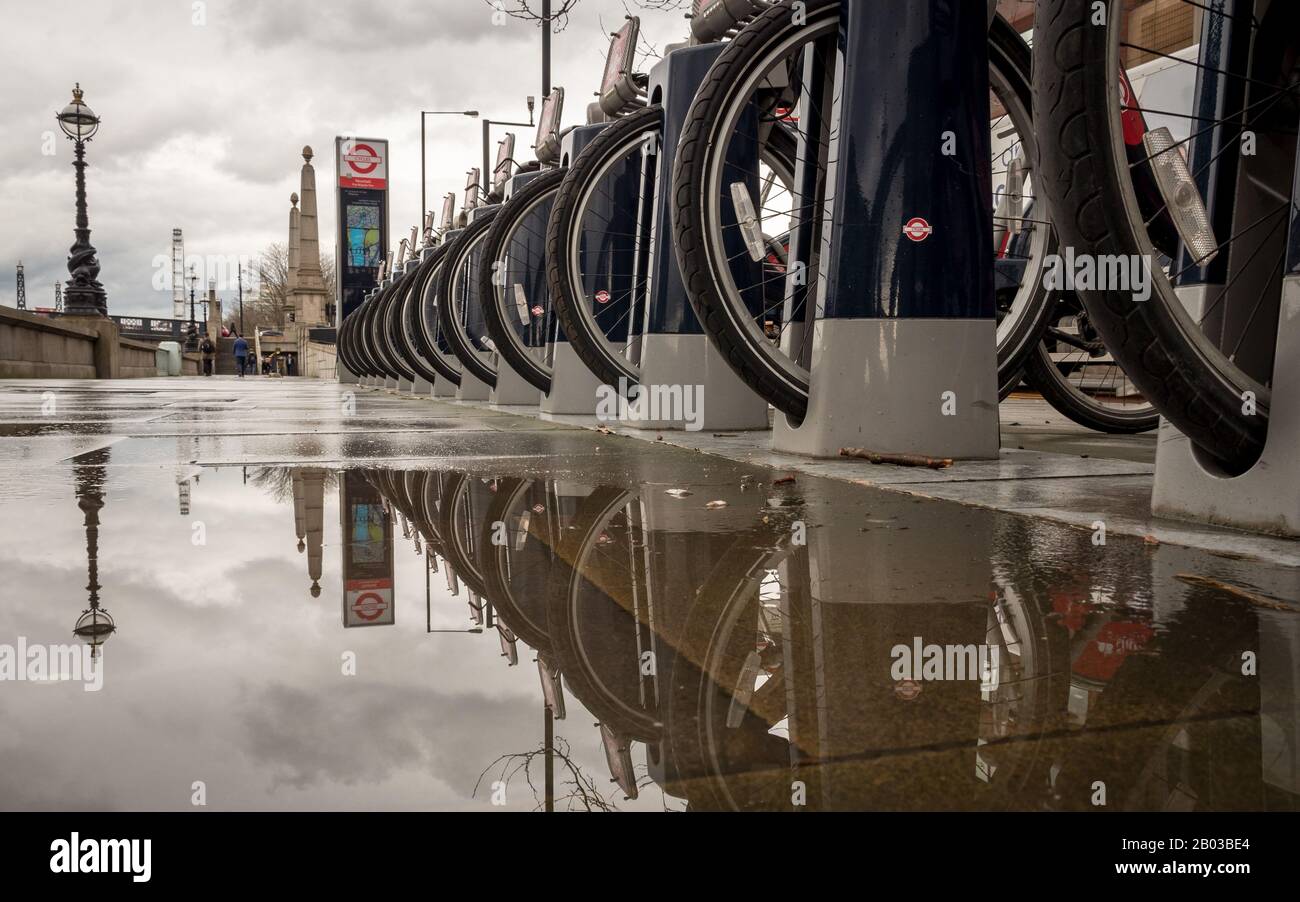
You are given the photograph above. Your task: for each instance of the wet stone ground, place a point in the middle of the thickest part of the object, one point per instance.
(333, 601)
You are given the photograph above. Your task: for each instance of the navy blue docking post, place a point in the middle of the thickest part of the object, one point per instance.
(904, 354)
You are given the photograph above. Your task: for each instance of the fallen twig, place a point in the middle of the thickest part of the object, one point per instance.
(901, 460)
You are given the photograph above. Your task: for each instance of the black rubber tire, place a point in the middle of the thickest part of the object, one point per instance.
(408, 317)
(461, 346)
(428, 286)
(1046, 378)
(1170, 361)
(587, 342)
(386, 330)
(1007, 51)
(368, 328)
(499, 324)
(397, 323)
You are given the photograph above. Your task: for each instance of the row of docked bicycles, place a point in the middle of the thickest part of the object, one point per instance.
(1133, 153)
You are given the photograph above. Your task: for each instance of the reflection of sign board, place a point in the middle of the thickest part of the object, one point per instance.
(363, 163)
(368, 602)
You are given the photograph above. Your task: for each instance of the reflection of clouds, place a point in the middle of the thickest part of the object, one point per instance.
(364, 733)
(225, 670)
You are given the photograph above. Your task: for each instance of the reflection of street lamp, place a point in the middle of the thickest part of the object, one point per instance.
(95, 624)
(473, 114)
(85, 295)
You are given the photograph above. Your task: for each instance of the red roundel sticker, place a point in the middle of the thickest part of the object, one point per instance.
(602, 297)
(918, 229)
(537, 310)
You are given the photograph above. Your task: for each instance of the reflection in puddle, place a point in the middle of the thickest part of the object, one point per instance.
(628, 644)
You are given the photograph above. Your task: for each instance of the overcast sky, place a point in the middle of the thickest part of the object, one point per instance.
(203, 124)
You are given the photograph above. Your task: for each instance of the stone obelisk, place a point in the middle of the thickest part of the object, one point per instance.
(309, 298)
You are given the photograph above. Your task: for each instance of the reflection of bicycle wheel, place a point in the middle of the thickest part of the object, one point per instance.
(757, 684)
(517, 572)
(1074, 372)
(598, 616)
(461, 507)
(779, 73)
(516, 305)
(1098, 91)
(460, 307)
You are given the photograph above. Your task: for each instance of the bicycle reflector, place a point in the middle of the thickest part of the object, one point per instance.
(1181, 196)
(1016, 195)
(750, 228)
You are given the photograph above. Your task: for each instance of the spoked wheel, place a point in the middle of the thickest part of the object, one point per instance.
(1116, 116)
(516, 303)
(404, 321)
(380, 338)
(1074, 372)
(599, 239)
(426, 324)
(780, 74)
(598, 246)
(460, 307)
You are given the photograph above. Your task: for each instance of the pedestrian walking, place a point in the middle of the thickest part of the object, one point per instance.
(241, 354)
(209, 354)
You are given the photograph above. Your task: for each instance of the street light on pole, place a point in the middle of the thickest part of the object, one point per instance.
(85, 295)
(488, 174)
(473, 114)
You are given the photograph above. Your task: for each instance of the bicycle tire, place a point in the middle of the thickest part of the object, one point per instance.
(499, 325)
(457, 256)
(1168, 358)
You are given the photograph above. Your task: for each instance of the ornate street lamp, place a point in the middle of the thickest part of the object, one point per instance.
(85, 295)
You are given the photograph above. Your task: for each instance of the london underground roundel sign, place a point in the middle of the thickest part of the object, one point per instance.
(363, 163)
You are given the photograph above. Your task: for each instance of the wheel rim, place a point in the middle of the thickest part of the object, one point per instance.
(1019, 259)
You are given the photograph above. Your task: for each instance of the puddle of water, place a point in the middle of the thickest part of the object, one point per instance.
(317, 638)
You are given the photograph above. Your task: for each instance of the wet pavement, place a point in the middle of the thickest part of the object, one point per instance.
(330, 597)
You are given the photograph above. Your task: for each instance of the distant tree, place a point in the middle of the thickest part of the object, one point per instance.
(273, 286)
